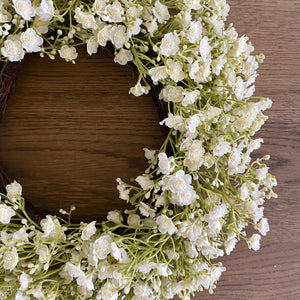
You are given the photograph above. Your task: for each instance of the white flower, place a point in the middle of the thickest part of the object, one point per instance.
(230, 243)
(244, 191)
(114, 12)
(254, 242)
(134, 27)
(205, 49)
(19, 296)
(87, 20)
(74, 271)
(240, 46)
(145, 182)
(240, 88)
(179, 182)
(175, 70)
(175, 122)
(158, 73)
(192, 4)
(217, 65)
(24, 9)
(83, 290)
(134, 220)
(5, 16)
(43, 252)
(195, 32)
(145, 267)
(102, 246)
(164, 163)
(115, 251)
(165, 225)
(171, 93)
(13, 190)
(234, 160)
(46, 10)
(68, 53)
(149, 154)
(108, 292)
(161, 12)
(6, 213)
(139, 90)
(86, 282)
(37, 292)
(25, 280)
(123, 57)
(10, 259)
(41, 26)
(142, 292)
(104, 35)
(199, 71)
(20, 235)
(190, 249)
(146, 210)
(13, 49)
(261, 173)
(133, 12)
(119, 36)
(194, 156)
(88, 231)
(114, 216)
(123, 192)
(92, 45)
(221, 148)
(169, 44)
(48, 225)
(151, 26)
(263, 226)
(31, 42)
(190, 97)
(99, 6)
(192, 123)
(184, 198)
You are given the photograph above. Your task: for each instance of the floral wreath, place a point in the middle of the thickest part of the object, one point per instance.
(201, 188)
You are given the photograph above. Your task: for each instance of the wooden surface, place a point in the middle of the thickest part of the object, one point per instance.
(69, 131)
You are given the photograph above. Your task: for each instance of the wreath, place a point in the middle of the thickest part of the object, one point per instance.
(201, 188)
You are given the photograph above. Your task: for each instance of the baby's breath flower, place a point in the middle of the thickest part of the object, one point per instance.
(88, 231)
(46, 10)
(254, 242)
(31, 42)
(68, 53)
(169, 44)
(158, 73)
(6, 213)
(102, 246)
(12, 49)
(24, 8)
(165, 225)
(139, 90)
(13, 190)
(123, 57)
(161, 12)
(10, 259)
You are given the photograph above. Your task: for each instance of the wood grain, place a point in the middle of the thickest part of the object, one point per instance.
(69, 131)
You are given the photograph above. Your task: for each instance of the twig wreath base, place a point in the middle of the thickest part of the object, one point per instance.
(201, 188)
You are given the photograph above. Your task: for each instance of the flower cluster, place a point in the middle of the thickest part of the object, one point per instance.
(201, 189)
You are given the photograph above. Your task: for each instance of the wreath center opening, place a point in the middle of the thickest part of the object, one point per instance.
(70, 130)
